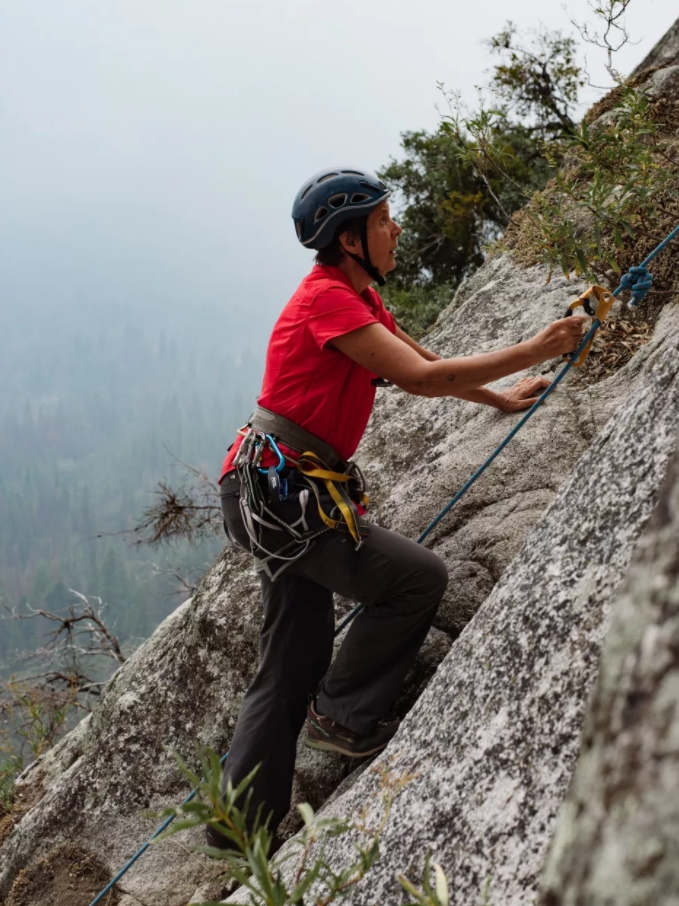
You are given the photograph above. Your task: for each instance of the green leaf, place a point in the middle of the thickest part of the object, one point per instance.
(175, 828)
(243, 785)
(410, 888)
(441, 885)
(306, 812)
(194, 779)
(230, 855)
(194, 808)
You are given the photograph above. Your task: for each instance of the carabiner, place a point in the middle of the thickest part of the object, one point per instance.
(281, 458)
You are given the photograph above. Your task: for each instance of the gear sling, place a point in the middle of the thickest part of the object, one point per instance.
(317, 469)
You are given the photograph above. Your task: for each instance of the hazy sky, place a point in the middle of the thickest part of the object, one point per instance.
(151, 150)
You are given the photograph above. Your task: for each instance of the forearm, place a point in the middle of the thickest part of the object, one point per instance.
(480, 395)
(403, 362)
(462, 376)
(483, 396)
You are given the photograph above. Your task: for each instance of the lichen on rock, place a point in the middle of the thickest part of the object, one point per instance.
(616, 838)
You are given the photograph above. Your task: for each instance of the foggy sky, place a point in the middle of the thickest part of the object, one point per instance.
(151, 149)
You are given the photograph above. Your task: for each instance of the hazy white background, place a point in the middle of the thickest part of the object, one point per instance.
(151, 150)
(149, 155)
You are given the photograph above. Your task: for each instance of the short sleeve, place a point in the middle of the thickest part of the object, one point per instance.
(382, 314)
(336, 311)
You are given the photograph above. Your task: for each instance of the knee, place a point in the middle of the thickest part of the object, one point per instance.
(437, 574)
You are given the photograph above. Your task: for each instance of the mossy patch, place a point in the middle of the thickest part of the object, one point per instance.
(67, 876)
(607, 102)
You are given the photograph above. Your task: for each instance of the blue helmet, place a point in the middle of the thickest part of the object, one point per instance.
(333, 197)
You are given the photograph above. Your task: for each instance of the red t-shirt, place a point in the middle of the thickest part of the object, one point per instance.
(307, 381)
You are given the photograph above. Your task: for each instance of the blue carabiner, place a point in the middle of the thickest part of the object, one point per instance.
(281, 458)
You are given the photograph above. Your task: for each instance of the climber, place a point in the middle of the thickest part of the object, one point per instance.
(291, 496)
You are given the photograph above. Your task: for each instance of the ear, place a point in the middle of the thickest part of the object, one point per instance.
(350, 242)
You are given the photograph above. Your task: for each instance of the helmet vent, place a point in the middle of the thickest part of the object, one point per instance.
(338, 200)
(326, 176)
(359, 197)
(306, 191)
(299, 226)
(369, 185)
(320, 214)
(352, 172)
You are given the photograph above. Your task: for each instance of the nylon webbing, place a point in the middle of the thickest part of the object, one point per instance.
(292, 435)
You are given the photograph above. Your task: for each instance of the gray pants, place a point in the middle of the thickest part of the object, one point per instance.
(399, 582)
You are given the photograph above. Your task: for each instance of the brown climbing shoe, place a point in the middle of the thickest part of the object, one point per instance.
(326, 734)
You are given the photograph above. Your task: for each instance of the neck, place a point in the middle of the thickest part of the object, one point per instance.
(359, 279)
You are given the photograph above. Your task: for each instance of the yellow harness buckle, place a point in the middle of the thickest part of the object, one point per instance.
(312, 466)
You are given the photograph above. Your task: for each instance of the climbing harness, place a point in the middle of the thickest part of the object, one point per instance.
(315, 468)
(637, 280)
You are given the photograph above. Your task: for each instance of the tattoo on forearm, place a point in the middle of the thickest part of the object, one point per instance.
(450, 377)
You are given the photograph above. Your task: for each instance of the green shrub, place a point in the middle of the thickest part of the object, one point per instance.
(314, 879)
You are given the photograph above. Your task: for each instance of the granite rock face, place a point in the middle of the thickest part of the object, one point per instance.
(493, 740)
(185, 683)
(617, 837)
(494, 736)
(665, 52)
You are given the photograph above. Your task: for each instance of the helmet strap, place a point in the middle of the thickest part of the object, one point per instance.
(365, 261)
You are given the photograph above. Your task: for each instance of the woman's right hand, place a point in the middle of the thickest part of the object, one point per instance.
(560, 338)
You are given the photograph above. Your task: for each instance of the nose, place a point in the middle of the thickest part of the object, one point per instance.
(398, 230)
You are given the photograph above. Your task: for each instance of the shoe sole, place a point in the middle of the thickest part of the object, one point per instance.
(333, 747)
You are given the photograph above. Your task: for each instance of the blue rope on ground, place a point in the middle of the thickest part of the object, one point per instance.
(635, 281)
(140, 852)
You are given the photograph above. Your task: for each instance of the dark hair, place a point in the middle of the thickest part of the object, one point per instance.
(331, 255)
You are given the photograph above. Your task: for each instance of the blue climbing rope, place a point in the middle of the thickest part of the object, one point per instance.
(142, 849)
(638, 282)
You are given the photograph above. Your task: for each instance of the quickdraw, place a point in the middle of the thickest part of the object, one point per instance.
(255, 502)
(595, 302)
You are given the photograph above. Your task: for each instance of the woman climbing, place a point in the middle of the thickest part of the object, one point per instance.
(291, 495)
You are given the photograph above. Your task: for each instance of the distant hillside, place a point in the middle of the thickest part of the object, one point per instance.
(94, 407)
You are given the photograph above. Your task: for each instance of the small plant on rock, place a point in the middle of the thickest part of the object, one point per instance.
(618, 183)
(429, 894)
(315, 879)
(11, 766)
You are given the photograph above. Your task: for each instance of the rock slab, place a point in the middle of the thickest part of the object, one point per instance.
(617, 836)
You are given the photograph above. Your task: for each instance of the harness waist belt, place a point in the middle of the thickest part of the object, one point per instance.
(298, 439)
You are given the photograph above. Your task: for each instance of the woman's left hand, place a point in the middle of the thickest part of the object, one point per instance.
(523, 394)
